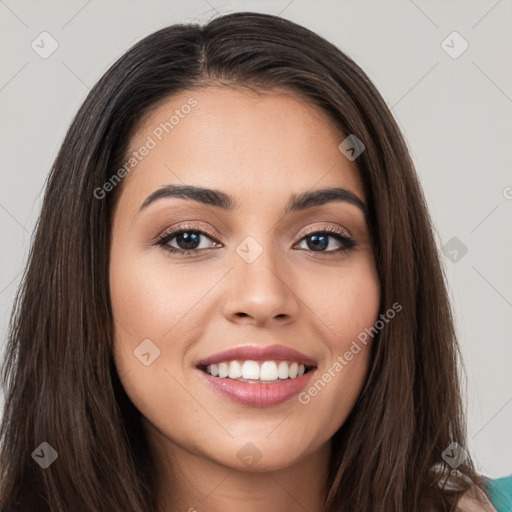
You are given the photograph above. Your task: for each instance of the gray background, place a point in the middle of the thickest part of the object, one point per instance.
(456, 114)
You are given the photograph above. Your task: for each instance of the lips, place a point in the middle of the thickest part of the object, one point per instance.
(256, 393)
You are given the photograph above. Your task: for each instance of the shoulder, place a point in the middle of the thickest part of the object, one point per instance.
(499, 491)
(475, 500)
(498, 498)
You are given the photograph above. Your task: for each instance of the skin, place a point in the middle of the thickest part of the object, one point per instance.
(260, 149)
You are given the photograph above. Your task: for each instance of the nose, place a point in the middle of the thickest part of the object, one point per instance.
(261, 292)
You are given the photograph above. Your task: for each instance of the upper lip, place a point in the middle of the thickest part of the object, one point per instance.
(257, 353)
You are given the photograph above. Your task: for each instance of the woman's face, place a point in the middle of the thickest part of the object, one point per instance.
(264, 280)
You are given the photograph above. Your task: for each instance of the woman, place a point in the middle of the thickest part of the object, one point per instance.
(234, 299)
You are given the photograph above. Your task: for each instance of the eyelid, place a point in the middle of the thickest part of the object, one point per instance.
(328, 228)
(191, 226)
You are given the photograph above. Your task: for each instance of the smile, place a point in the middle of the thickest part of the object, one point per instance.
(258, 376)
(254, 371)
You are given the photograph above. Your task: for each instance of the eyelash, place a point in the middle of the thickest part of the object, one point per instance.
(347, 243)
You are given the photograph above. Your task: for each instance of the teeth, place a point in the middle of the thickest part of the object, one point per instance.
(223, 370)
(282, 370)
(269, 371)
(250, 370)
(235, 370)
(265, 371)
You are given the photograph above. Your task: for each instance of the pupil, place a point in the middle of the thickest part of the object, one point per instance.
(315, 239)
(189, 240)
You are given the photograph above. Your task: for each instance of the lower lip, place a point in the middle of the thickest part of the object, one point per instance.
(256, 394)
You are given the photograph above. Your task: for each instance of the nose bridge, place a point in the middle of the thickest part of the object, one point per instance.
(259, 286)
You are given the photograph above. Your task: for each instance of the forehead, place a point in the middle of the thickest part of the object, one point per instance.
(245, 143)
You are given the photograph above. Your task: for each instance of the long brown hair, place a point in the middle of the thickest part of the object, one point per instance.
(61, 385)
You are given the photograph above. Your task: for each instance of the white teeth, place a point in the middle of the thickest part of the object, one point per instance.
(223, 370)
(251, 370)
(265, 371)
(235, 370)
(269, 371)
(282, 370)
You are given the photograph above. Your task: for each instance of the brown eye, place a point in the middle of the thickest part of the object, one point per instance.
(186, 240)
(319, 241)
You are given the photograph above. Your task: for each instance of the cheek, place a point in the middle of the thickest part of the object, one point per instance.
(160, 311)
(149, 308)
(156, 310)
(345, 302)
(152, 298)
(347, 308)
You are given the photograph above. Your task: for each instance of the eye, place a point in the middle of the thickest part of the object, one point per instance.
(185, 240)
(319, 241)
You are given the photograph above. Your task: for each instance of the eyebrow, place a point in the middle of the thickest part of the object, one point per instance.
(297, 202)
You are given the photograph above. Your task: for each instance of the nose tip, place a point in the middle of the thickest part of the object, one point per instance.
(257, 291)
